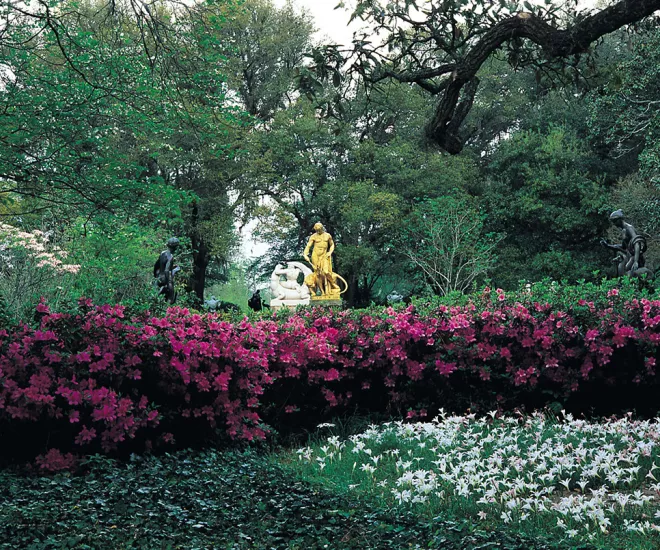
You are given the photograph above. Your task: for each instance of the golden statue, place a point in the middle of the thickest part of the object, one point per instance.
(323, 280)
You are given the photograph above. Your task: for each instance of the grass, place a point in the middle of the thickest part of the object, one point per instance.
(574, 482)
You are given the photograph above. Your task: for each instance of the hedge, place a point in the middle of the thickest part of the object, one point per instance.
(94, 380)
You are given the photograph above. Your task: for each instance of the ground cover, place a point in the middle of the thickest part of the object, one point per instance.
(212, 499)
(573, 480)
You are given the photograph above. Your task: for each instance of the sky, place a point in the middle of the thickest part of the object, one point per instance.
(334, 23)
(329, 21)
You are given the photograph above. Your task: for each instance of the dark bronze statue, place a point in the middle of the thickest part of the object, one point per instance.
(630, 253)
(165, 270)
(255, 303)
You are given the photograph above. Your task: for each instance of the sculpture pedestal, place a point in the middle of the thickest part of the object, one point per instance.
(287, 304)
(326, 301)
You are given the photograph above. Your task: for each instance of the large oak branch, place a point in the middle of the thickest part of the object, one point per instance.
(554, 42)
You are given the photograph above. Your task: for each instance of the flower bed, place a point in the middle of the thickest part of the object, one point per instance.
(572, 480)
(95, 380)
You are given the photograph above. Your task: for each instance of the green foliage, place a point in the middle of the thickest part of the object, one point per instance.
(561, 296)
(22, 286)
(203, 499)
(362, 199)
(546, 196)
(538, 97)
(265, 48)
(236, 290)
(116, 261)
(132, 119)
(639, 199)
(77, 132)
(624, 115)
(115, 123)
(32, 266)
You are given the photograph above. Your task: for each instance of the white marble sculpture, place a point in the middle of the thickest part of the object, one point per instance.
(288, 292)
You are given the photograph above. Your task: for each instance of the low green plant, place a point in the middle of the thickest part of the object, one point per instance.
(209, 499)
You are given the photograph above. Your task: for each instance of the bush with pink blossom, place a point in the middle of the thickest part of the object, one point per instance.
(94, 380)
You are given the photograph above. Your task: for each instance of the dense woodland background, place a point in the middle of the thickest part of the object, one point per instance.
(122, 124)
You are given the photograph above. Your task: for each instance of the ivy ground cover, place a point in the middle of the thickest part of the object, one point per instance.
(213, 500)
(575, 481)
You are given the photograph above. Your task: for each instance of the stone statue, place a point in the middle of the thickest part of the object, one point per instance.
(630, 253)
(165, 270)
(323, 281)
(212, 304)
(289, 292)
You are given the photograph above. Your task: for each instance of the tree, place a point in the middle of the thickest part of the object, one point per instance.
(84, 128)
(624, 111)
(266, 46)
(359, 173)
(156, 28)
(64, 142)
(445, 242)
(441, 46)
(624, 118)
(547, 192)
(531, 99)
(94, 120)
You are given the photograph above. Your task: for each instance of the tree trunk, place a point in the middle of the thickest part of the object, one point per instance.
(201, 258)
(351, 294)
(200, 263)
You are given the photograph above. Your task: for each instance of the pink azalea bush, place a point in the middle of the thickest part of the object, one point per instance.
(95, 380)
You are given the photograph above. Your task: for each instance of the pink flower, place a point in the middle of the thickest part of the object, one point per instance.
(221, 382)
(332, 374)
(106, 413)
(55, 461)
(591, 335)
(85, 436)
(445, 368)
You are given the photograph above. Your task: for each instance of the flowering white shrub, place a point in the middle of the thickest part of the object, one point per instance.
(29, 267)
(577, 478)
(36, 245)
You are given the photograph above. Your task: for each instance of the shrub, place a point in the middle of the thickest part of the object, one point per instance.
(31, 265)
(94, 380)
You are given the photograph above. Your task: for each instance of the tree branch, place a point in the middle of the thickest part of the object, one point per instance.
(555, 43)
